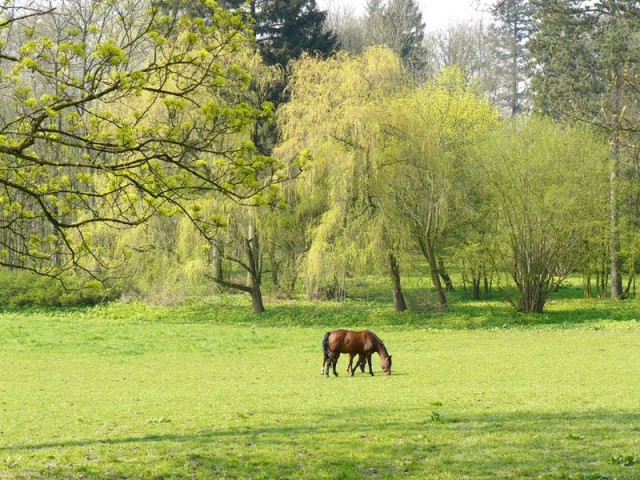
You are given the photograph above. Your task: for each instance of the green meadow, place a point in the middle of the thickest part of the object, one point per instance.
(208, 390)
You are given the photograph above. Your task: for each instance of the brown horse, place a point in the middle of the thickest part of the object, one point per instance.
(363, 343)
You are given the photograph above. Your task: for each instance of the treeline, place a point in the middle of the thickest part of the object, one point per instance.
(150, 145)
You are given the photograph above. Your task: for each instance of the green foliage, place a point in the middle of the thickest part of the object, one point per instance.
(19, 288)
(391, 154)
(335, 113)
(145, 154)
(511, 33)
(165, 260)
(624, 460)
(569, 75)
(148, 113)
(550, 183)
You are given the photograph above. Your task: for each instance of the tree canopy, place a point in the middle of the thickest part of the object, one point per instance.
(230, 144)
(112, 114)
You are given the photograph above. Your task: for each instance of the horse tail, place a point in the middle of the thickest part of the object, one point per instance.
(326, 361)
(325, 345)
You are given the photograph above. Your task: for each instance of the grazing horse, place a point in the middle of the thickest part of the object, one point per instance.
(363, 343)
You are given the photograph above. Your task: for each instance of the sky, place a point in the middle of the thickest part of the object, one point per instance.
(436, 14)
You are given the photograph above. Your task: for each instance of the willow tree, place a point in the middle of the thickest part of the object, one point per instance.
(433, 130)
(548, 185)
(144, 111)
(334, 119)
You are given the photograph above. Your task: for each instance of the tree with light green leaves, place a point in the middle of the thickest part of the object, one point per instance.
(433, 131)
(585, 56)
(389, 157)
(547, 184)
(112, 113)
(334, 121)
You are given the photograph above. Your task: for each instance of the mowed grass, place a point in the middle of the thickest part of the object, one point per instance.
(134, 391)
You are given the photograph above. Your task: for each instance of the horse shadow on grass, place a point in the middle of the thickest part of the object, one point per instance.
(374, 442)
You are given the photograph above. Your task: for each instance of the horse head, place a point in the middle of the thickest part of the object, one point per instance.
(386, 365)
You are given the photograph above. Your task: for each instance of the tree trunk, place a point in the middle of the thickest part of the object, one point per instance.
(614, 239)
(514, 80)
(442, 298)
(614, 154)
(275, 273)
(394, 271)
(631, 281)
(256, 300)
(534, 304)
(216, 263)
(487, 283)
(445, 276)
(429, 254)
(533, 296)
(435, 278)
(254, 273)
(477, 278)
(586, 283)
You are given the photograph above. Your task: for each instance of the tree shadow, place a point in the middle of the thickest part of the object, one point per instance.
(380, 443)
(461, 315)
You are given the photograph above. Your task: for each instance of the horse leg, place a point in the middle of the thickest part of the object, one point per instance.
(334, 361)
(362, 360)
(359, 364)
(327, 362)
(324, 362)
(370, 368)
(350, 366)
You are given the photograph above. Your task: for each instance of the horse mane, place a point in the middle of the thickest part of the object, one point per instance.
(379, 340)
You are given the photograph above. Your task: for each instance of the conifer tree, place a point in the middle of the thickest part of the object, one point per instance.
(398, 25)
(568, 76)
(511, 32)
(287, 28)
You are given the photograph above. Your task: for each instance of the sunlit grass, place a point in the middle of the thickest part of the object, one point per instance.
(208, 390)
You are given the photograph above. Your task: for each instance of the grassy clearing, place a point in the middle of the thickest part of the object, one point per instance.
(209, 391)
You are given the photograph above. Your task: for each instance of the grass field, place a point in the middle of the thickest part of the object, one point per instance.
(210, 391)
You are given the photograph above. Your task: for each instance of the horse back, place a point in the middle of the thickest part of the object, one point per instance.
(350, 341)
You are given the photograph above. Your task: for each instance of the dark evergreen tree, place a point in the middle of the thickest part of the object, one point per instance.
(510, 33)
(284, 30)
(568, 76)
(584, 53)
(287, 28)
